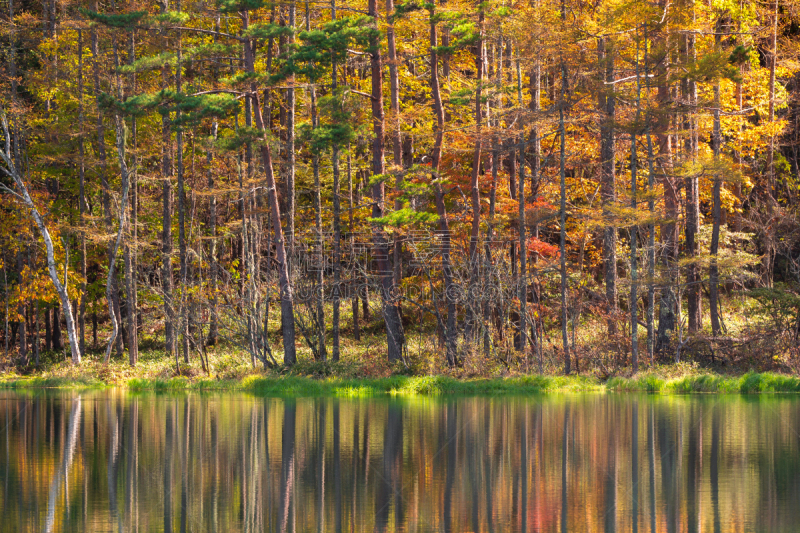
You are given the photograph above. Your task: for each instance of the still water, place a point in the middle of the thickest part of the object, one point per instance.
(112, 461)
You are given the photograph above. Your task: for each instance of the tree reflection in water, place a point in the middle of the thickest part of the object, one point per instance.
(111, 461)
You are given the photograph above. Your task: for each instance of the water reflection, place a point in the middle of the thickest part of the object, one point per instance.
(111, 461)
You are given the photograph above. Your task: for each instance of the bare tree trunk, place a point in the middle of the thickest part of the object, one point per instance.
(58, 343)
(716, 142)
(772, 66)
(395, 338)
(536, 177)
(605, 53)
(81, 199)
(475, 191)
(337, 222)
(438, 191)
(123, 212)
(166, 220)
(48, 330)
(290, 150)
(737, 226)
(319, 293)
(183, 272)
(130, 244)
(563, 207)
(22, 311)
(213, 327)
(112, 293)
(522, 290)
(634, 301)
(693, 281)
(6, 332)
(248, 234)
(495, 70)
(394, 88)
(36, 348)
(286, 292)
(651, 228)
(397, 150)
(768, 260)
(354, 281)
(669, 233)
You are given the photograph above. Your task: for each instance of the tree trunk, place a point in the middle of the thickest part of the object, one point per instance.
(35, 323)
(669, 234)
(607, 100)
(183, 272)
(716, 142)
(58, 342)
(438, 191)
(112, 294)
(290, 151)
(123, 212)
(6, 332)
(166, 220)
(48, 330)
(130, 244)
(286, 292)
(22, 311)
(634, 301)
(768, 259)
(693, 280)
(23, 195)
(772, 66)
(337, 221)
(319, 293)
(395, 338)
(495, 71)
(651, 228)
(213, 327)
(354, 281)
(475, 191)
(563, 204)
(522, 288)
(536, 176)
(81, 198)
(397, 149)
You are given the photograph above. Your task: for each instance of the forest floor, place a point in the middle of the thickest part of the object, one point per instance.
(749, 359)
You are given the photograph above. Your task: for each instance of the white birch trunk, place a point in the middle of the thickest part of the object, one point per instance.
(61, 288)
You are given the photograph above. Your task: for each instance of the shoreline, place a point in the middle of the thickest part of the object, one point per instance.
(441, 385)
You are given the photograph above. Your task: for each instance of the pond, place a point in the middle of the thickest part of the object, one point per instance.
(114, 461)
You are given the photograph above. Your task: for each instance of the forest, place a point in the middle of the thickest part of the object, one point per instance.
(550, 186)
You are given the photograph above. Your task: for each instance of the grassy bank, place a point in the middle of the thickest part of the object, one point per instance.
(749, 383)
(275, 385)
(659, 380)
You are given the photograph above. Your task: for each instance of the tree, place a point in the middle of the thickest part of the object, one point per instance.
(21, 193)
(395, 338)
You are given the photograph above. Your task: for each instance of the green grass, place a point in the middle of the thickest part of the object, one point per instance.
(50, 382)
(749, 383)
(359, 387)
(352, 378)
(290, 385)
